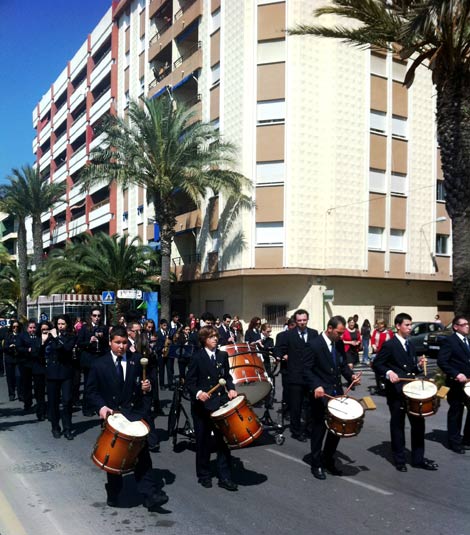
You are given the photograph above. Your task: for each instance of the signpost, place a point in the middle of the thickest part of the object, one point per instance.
(328, 297)
(129, 294)
(108, 297)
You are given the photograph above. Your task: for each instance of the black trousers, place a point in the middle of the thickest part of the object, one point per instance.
(13, 382)
(58, 389)
(38, 382)
(167, 363)
(322, 454)
(143, 474)
(397, 432)
(457, 401)
(296, 396)
(203, 427)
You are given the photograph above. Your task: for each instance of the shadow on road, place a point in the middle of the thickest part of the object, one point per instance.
(82, 427)
(242, 475)
(437, 435)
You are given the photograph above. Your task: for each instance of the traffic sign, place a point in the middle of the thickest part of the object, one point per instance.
(44, 317)
(108, 297)
(328, 296)
(129, 294)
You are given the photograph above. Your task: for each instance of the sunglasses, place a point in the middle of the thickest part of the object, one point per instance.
(96, 315)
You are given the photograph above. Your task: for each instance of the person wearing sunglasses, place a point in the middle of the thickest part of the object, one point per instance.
(93, 342)
(12, 370)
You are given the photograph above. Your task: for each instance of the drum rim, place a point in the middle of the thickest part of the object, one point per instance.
(242, 396)
(429, 395)
(349, 398)
(112, 429)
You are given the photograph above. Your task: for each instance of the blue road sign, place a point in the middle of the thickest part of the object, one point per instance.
(44, 317)
(108, 298)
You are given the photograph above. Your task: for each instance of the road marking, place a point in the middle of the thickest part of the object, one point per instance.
(348, 479)
(10, 522)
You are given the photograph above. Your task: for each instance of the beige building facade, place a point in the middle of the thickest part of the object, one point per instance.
(349, 208)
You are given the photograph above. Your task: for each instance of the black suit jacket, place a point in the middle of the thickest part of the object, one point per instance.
(293, 346)
(90, 351)
(392, 356)
(103, 388)
(252, 336)
(58, 354)
(203, 374)
(30, 353)
(453, 358)
(224, 336)
(321, 370)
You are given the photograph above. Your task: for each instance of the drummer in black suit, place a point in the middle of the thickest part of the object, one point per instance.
(397, 360)
(324, 364)
(115, 384)
(454, 360)
(206, 368)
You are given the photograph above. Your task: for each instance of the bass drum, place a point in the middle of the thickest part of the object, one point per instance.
(119, 444)
(248, 372)
(237, 422)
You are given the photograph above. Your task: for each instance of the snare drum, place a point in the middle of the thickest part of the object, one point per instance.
(421, 398)
(248, 372)
(344, 416)
(237, 422)
(119, 444)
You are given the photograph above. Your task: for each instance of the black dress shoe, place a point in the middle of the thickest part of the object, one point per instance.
(300, 438)
(112, 501)
(426, 464)
(227, 484)
(206, 483)
(401, 467)
(68, 434)
(156, 500)
(155, 448)
(56, 433)
(318, 473)
(466, 446)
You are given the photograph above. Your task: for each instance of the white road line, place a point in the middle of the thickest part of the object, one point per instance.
(348, 479)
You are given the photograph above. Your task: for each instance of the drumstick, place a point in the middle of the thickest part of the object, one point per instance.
(425, 366)
(353, 383)
(143, 363)
(214, 388)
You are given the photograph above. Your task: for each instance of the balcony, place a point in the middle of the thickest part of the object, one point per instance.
(45, 133)
(189, 9)
(186, 268)
(46, 238)
(100, 106)
(78, 160)
(188, 221)
(77, 226)
(187, 54)
(99, 209)
(45, 159)
(60, 174)
(60, 144)
(78, 127)
(101, 69)
(78, 95)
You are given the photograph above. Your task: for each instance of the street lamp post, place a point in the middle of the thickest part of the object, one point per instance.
(428, 246)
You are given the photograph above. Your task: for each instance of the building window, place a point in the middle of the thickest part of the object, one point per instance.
(440, 191)
(215, 21)
(378, 121)
(271, 111)
(273, 51)
(270, 172)
(399, 71)
(126, 99)
(397, 240)
(125, 216)
(142, 85)
(127, 59)
(215, 73)
(399, 184)
(377, 181)
(442, 244)
(142, 45)
(399, 126)
(275, 314)
(270, 234)
(378, 65)
(375, 238)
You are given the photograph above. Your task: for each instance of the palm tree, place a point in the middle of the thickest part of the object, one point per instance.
(97, 263)
(10, 291)
(434, 33)
(37, 197)
(157, 148)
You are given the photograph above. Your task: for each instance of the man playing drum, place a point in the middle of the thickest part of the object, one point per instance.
(454, 360)
(324, 363)
(397, 361)
(206, 368)
(115, 384)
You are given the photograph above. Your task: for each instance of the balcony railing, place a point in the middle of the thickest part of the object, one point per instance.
(186, 259)
(184, 7)
(187, 54)
(160, 32)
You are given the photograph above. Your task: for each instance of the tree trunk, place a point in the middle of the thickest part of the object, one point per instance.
(166, 238)
(22, 268)
(37, 241)
(453, 125)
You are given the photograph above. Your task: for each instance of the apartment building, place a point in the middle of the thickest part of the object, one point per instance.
(66, 119)
(349, 211)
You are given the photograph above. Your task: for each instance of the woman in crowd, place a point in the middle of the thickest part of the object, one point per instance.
(365, 335)
(253, 332)
(352, 342)
(12, 370)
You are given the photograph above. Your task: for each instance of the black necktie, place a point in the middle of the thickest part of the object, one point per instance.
(304, 336)
(120, 371)
(333, 354)
(465, 343)
(212, 357)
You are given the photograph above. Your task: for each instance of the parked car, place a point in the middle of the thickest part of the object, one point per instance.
(419, 331)
(432, 341)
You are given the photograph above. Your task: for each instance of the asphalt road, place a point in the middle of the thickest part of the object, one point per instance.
(50, 486)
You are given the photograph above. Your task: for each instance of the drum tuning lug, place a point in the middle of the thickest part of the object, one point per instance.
(113, 441)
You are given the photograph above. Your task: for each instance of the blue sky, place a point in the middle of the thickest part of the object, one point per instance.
(37, 38)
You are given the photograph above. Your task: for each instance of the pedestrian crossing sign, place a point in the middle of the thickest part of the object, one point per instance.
(108, 298)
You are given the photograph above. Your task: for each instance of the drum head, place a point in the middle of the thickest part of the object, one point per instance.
(235, 349)
(255, 391)
(345, 408)
(121, 424)
(229, 406)
(420, 389)
(466, 389)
